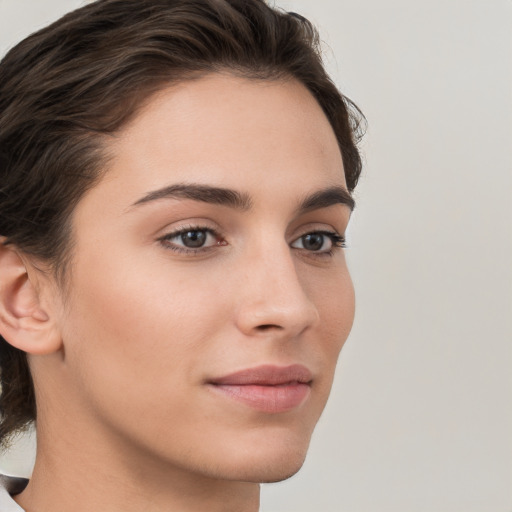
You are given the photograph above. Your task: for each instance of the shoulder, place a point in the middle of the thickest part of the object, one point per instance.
(10, 485)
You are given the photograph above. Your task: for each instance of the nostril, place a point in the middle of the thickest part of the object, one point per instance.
(267, 327)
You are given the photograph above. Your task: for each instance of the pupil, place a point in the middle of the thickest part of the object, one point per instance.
(313, 242)
(193, 238)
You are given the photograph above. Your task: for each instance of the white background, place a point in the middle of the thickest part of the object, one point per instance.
(420, 418)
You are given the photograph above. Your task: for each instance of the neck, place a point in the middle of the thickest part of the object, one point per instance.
(81, 473)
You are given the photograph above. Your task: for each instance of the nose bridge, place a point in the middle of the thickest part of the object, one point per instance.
(274, 298)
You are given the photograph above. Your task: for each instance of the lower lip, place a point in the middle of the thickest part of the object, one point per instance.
(269, 399)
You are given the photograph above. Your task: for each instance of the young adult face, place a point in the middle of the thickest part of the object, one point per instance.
(210, 248)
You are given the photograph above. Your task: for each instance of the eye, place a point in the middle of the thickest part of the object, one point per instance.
(191, 239)
(319, 241)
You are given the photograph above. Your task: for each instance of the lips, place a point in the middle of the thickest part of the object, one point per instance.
(267, 388)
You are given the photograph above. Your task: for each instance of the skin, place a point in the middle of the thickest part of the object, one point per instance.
(120, 376)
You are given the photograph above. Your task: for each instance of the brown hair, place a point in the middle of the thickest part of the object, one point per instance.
(64, 89)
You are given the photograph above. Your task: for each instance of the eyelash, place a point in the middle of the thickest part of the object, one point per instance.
(165, 240)
(338, 241)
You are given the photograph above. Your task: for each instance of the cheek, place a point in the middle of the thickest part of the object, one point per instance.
(334, 298)
(335, 302)
(342, 308)
(134, 327)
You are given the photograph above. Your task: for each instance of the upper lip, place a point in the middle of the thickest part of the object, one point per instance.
(266, 375)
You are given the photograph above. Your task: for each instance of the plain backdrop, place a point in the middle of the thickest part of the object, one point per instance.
(420, 418)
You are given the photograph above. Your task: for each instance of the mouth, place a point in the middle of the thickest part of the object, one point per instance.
(267, 388)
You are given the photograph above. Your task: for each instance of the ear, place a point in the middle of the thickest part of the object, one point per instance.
(24, 321)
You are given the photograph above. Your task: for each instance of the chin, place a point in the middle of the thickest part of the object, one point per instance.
(279, 474)
(268, 464)
(268, 472)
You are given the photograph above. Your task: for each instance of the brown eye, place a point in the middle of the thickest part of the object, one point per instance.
(313, 241)
(194, 238)
(319, 241)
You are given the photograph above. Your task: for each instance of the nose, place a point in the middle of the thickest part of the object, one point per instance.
(272, 297)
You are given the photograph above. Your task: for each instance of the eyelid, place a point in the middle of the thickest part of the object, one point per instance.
(165, 239)
(338, 241)
(325, 227)
(189, 224)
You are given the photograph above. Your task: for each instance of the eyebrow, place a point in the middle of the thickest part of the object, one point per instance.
(327, 197)
(242, 201)
(204, 193)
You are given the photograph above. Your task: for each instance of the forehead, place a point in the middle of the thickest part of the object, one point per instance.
(254, 136)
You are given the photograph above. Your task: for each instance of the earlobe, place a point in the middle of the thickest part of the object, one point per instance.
(24, 321)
